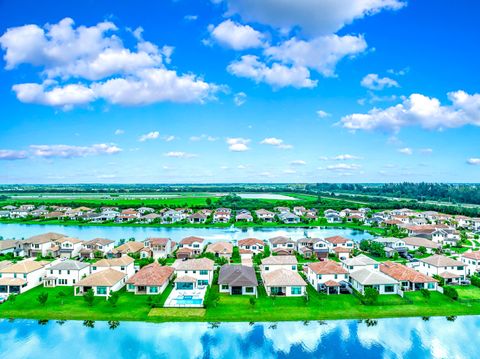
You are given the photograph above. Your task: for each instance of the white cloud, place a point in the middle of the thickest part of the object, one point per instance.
(321, 53)
(11, 155)
(238, 144)
(276, 75)
(203, 137)
(420, 110)
(426, 151)
(322, 114)
(190, 17)
(289, 171)
(312, 16)
(346, 157)
(277, 142)
(236, 36)
(240, 98)
(180, 154)
(169, 138)
(153, 135)
(474, 161)
(374, 82)
(68, 151)
(406, 151)
(343, 166)
(119, 131)
(298, 163)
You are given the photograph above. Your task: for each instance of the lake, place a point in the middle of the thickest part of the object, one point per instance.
(19, 231)
(384, 338)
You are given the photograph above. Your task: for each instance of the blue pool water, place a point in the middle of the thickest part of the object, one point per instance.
(188, 300)
(410, 338)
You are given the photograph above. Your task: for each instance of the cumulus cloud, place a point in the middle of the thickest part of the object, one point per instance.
(406, 151)
(11, 155)
(190, 17)
(426, 151)
(238, 144)
(153, 135)
(180, 154)
(346, 157)
(420, 110)
(239, 98)
(119, 131)
(277, 75)
(203, 137)
(236, 36)
(343, 166)
(375, 82)
(68, 151)
(322, 114)
(298, 163)
(312, 16)
(105, 68)
(474, 161)
(321, 53)
(277, 142)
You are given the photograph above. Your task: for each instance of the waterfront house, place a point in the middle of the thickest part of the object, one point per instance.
(338, 241)
(244, 217)
(144, 210)
(282, 245)
(102, 283)
(415, 243)
(279, 262)
(237, 280)
(222, 215)
(326, 275)
(220, 249)
(371, 278)
(392, 245)
(150, 218)
(252, 245)
(130, 247)
(40, 244)
(472, 262)
(67, 247)
(409, 279)
(320, 247)
(264, 215)
(152, 279)
(451, 270)
(20, 277)
(283, 282)
(190, 246)
(158, 247)
(359, 262)
(65, 273)
(11, 246)
(99, 246)
(197, 218)
(200, 270)
(123, 264)
(289, 218)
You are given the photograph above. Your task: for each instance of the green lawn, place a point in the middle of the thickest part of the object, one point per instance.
(238, 308)
(468, 292)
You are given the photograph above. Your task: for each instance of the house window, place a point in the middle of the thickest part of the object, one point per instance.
(203, 272)
(375, 266)
(153, 289)
(431, 285)
(335, 276)
(122, 268)
(224, 286)
(131, 286)
(296, 290)
(319, 276)
(294, 267)
(101, 290)
(459, 268)
(266, 268)
(249, 290)
(389, 289)
(202, 282)
(94, 268)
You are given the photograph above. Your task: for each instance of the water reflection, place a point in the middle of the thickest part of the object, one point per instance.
(387, 338)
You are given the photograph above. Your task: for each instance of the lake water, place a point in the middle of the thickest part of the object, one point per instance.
(280, 197)
(19, 231)
(386, 338)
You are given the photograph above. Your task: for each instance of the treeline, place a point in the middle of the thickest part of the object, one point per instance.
(444, 192)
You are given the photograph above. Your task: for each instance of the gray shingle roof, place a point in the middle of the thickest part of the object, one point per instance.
(237, 275)
(69, 265)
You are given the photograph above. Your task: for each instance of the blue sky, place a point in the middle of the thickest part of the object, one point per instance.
(239, 91)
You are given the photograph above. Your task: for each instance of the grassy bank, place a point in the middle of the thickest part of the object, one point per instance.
(238, 308)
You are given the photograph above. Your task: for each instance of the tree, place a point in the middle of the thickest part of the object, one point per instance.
(42, 298)
(253, 301)
(208, 202)
(12, 298)
(113, 299)
(425, 293)
(113, 324)
(422, 249)
(370, 296)
(450, 292)
(61, 295)
(89, 297)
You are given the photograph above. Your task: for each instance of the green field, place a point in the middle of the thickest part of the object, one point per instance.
(237, 308)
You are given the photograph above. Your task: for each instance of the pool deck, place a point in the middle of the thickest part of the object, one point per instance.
(197, 293)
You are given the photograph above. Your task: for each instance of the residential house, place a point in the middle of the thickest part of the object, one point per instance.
(370, 278)
(190, 246)
(264, 215)
(244, 217)
(197, 218)
(472, 262)
(66, 273)
(130, 247)
(409, 279)
(102, 283)
(67, 247)
(415, 243)
(282, 245)
(200, 270)
(299, 211)
(144, 210)
(446, 236)
(151, 217)
(333, 218)
(451, 270)
(22, 276)
(391, 245)
(289, 218)
(123, 264)
(359, 262)
(97, 247)
(159, 247)
(220, 249)
(326, 275)
(252, 245)
(11, 246)
(273, 263)
(339, 241)
(320, 247)
(40, 244)
(237, 280)
(222, 215)
(152, 279)
(283, 282)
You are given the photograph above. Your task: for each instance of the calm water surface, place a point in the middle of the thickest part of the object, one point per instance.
(385, 338)
(19, 231)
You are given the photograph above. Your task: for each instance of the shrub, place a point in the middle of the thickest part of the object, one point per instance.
(253, 301)
(89, 297)
(370, 297)
(425, 293)
(113, 299)
(42, 298)
(475, 280)
(450, 292)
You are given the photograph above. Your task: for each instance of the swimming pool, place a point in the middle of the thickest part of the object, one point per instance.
(188, 300)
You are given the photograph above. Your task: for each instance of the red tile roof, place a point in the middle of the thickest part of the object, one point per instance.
(152, 275)
(403, 273)
(327, 267)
